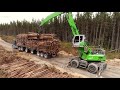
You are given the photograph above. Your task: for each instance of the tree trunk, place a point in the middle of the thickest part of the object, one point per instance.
(96, 37)
(99, 41)
(113, 33)
(117, 40)
(102, 42)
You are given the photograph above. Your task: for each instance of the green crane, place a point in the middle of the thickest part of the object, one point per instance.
(91, 59)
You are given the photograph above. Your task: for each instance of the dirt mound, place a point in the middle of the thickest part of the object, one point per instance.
(12, 66)
(64, 54)
(114, 62)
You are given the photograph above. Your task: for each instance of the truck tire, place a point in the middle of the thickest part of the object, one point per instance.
(19, 48)
(38, 53)
(92, 68)
(32, 51)
(22, 49)
(54, 55)
(41, 54)
(74, 63)
(46, 56)
(26, 50)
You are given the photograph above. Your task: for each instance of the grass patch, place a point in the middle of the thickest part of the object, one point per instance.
(112, 55)
(8, 39)
(67, 47)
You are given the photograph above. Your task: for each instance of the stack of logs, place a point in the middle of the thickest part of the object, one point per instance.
(12, 66)
(28, 69)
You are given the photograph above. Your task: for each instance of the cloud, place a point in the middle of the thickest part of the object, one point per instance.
(7, 17)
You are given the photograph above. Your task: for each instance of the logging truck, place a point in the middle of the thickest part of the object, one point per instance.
(44, 45)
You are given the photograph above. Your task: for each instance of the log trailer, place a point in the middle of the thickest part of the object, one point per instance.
(44, 45)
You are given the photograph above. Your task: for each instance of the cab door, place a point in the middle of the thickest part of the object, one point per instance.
(77, 40)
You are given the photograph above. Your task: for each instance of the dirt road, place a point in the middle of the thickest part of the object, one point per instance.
(112, 71)
(6, 45)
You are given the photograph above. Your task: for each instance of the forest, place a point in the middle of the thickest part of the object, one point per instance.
(102, 28)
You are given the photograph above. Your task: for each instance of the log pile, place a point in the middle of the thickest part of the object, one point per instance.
(12, 66)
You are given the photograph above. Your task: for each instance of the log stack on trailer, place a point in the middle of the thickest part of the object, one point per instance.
(44, 45)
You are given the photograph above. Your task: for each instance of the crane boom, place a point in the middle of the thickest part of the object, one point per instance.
(72, 24)
(51, 16)
(69, 17)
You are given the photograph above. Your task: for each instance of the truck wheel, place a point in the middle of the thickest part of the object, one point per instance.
(38, 53)
(54, 55)
(26, 50)
(19, 48)
(92, 68)
(32, 51)
(22, 49)
(46, 56)
(74, 63)
(41, 54)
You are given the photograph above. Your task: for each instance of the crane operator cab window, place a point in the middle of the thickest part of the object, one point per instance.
(77, 40)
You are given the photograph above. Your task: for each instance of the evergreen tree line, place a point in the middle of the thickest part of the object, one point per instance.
(102, 28)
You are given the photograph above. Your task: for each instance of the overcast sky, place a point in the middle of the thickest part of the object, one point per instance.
(6, 17)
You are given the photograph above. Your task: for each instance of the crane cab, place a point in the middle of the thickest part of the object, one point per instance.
(78, 40)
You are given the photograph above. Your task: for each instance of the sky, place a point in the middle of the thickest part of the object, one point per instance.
(7, 17)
